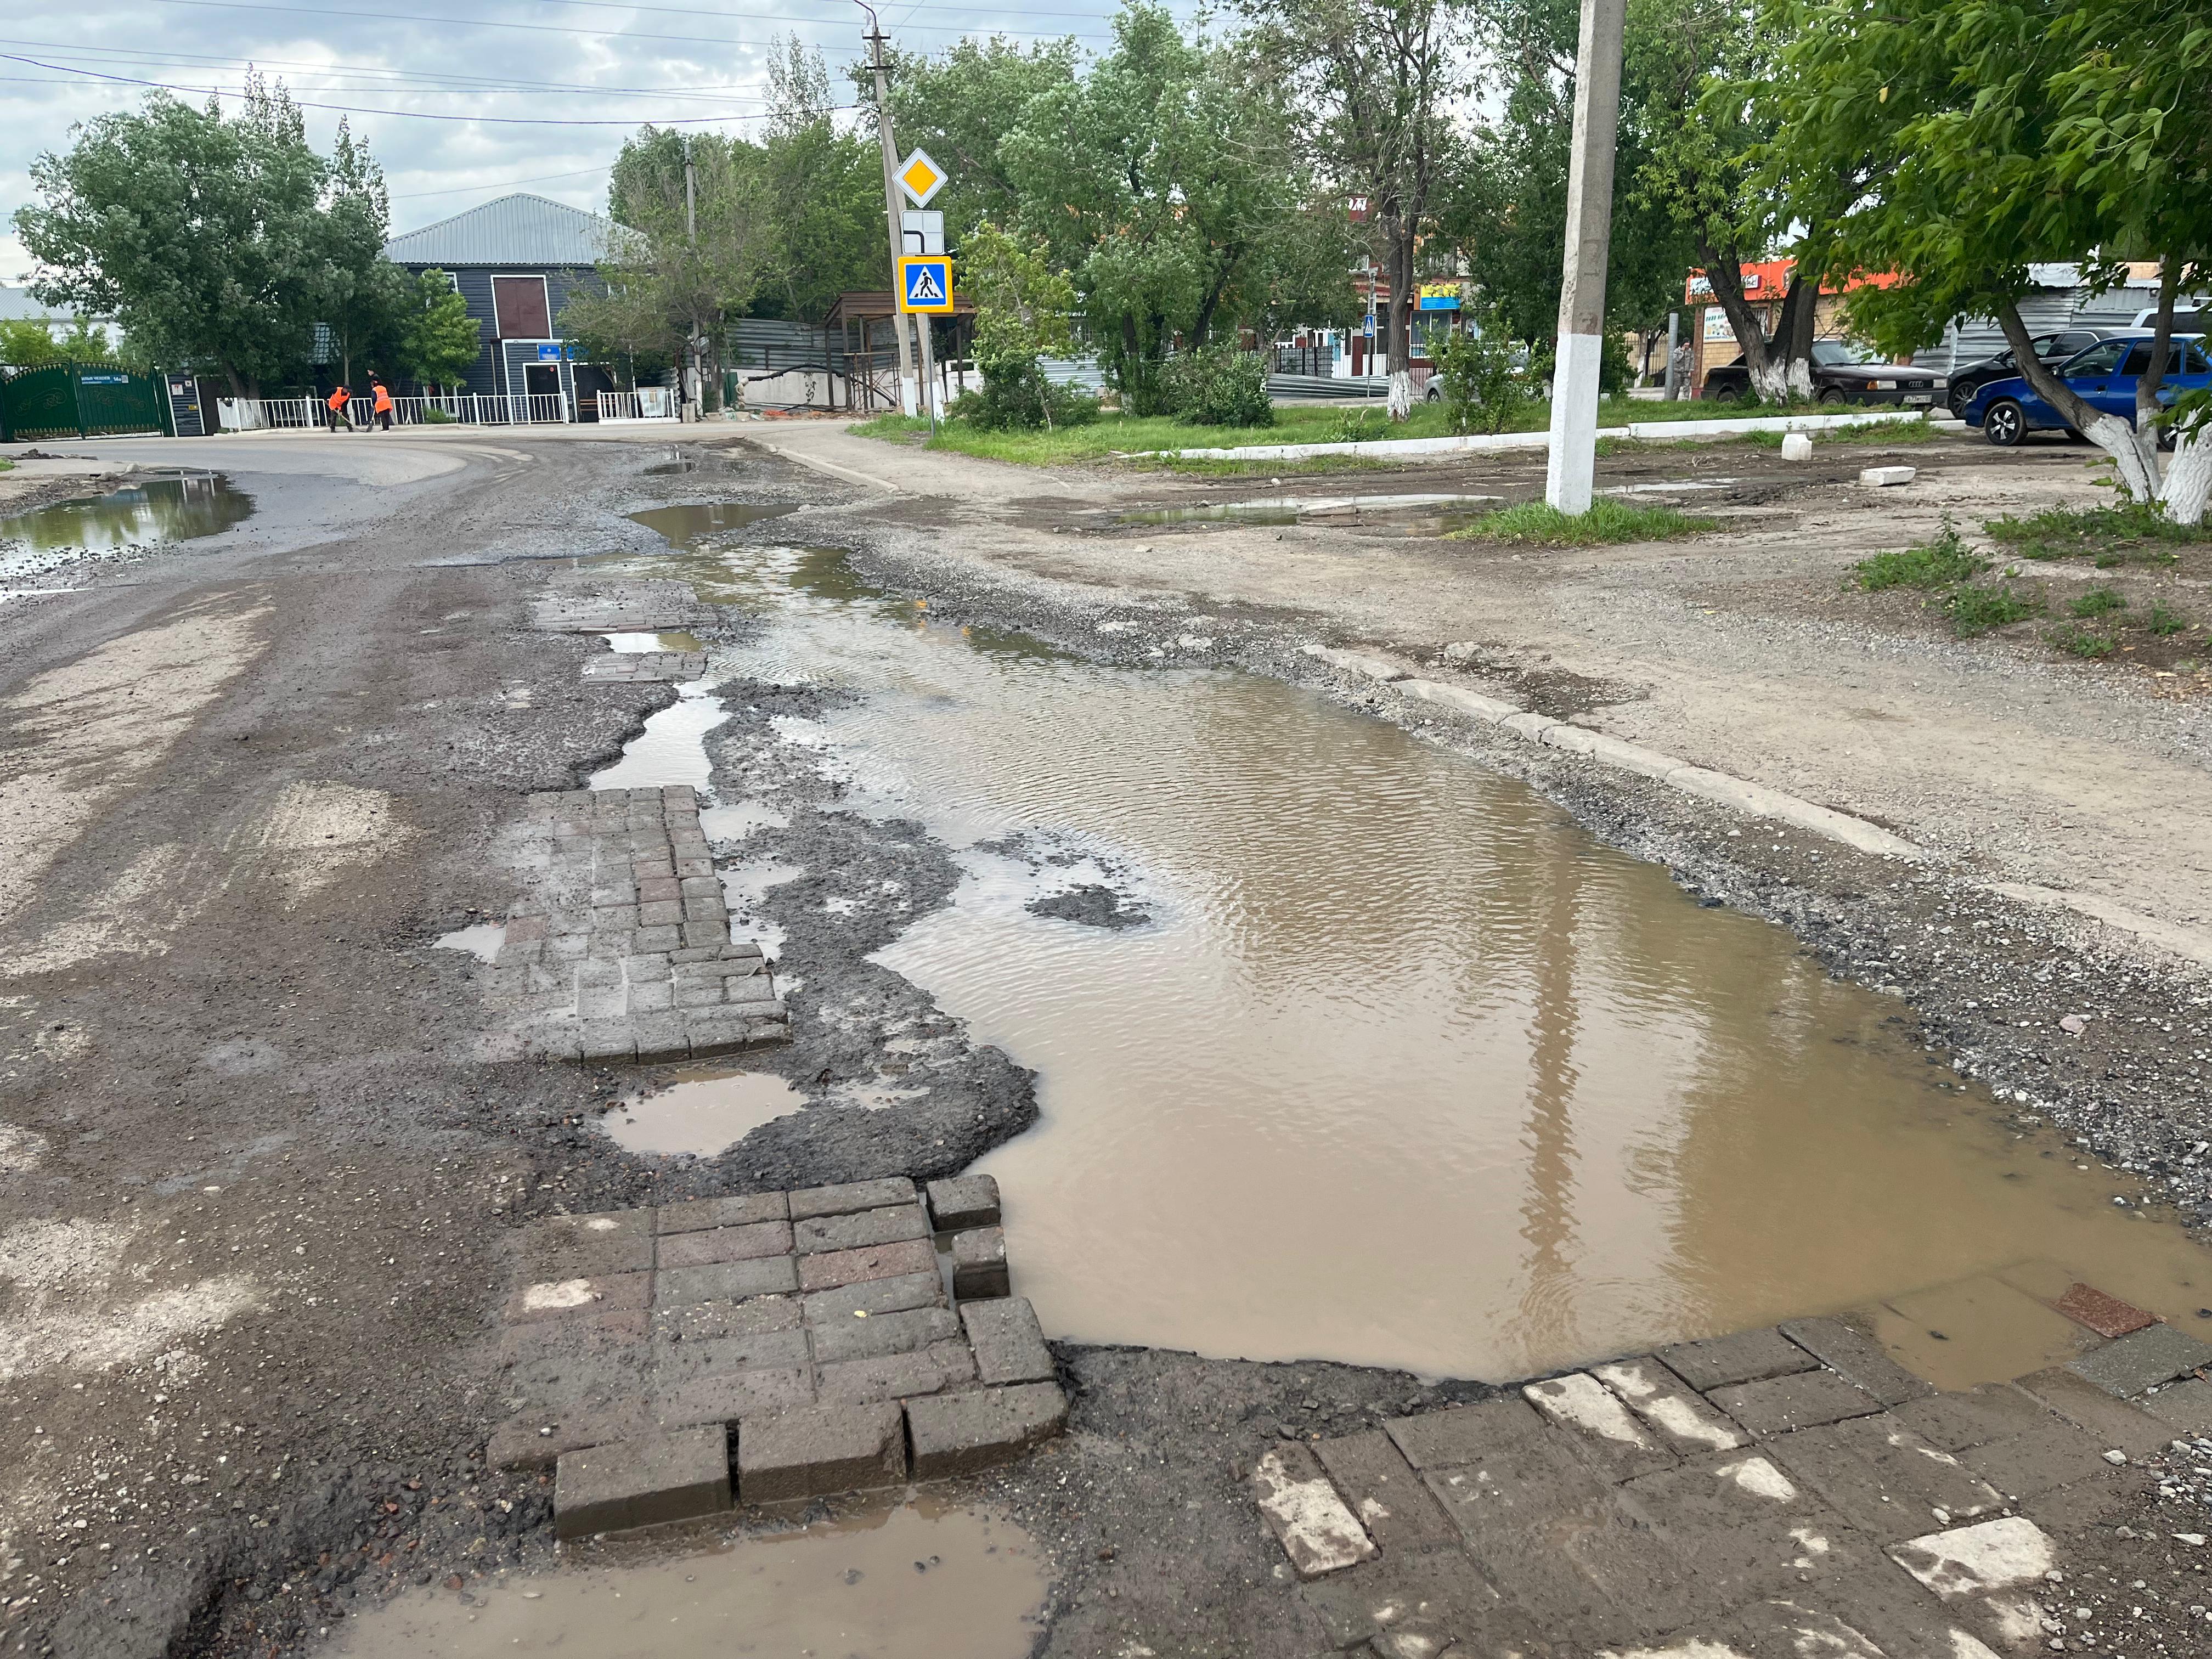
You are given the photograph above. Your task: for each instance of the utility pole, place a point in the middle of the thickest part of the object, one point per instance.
(692, 371)
(1673, 336)
(909, 403)
(1568, 478)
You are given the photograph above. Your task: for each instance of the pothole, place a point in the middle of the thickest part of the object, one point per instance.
(699, 1111)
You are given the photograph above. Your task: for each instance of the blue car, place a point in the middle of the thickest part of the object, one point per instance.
(2104, 376)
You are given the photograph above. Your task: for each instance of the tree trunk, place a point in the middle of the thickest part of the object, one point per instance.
(1800, 312)
(2138, 471)
(2188, 478)
(1725, 272)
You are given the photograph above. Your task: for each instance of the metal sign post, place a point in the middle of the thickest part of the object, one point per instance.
(875, 38)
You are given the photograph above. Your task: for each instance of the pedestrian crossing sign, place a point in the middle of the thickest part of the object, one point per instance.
(925, 283)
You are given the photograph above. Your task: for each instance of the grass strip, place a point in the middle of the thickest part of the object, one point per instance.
(1539, 524)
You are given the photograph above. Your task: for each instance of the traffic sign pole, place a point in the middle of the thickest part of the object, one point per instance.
(875, 38)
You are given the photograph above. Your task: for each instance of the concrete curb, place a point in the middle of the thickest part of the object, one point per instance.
(1647, 431)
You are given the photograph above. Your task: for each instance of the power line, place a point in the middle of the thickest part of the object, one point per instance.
(504, 183)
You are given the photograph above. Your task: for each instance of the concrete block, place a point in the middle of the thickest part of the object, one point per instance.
(1464, 1434)
(2143, 1360)
(1974, 1417)
(537, 1439)
(834, 1267)
(978, 1263)
(566, 1298)
(660, 1036)
(1315, 1528)
(1008, 1342)
(1459, 700)
(860, 1229)
(1745, 1356)
(1745, 1527)
(677, 1361)
(960, 1433)
(2030, 1465)
(1670, 1408)
(559, 1381)
(1796, 446)
(1586, 1409)
(1805, 1400)
(2185, 1407)
(1400, 1513)
(876, 1296)
(818, 1451)
(810, 1201)
(895, 1375)
(1994, 1568)
(1881, 1477)
(726, 1281)
(709, 1245)
(549, 1338)
(706, 1322)
(1885, 477)
(871, 1336)
(641, 1483)
(731, 1395)
(1859, 1358)
(963, 1201)
(2112, 1422)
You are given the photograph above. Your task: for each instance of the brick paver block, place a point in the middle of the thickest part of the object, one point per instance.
(1974, 1417)
(713, 1244)
(1398, 1512)
(565, 1298)
(574, 1379)
(818, 1451)
(834, 1267)
(978, 1263)
(1881, 1477)
(535, 1440)
(1610, 1435)
(732, 1396)
(895, 1375)
(960, 1433)
(741, 1211)
(1465, 1434)
(1008, 1342)
(705, 1321)
(1745, 1356)
(810, 1201)
(1859, 1358)
(584, 1334)
(876, 1296)
(2112, 1422)
(1315, 1526)
(1674, 1411)
(726, 1281)
(963, 1201)
(871, 1336)
(1801, 1401)
(2142, 1360)
(2107, 1315)
(641, 1483)
(679, 1361)
(861, 1228)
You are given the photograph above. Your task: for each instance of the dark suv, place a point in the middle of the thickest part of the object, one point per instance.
(2050, 347)
(1842, 374)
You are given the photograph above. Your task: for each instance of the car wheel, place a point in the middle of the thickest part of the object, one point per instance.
(2005, 423)
(1435, 394)
(1830, 396)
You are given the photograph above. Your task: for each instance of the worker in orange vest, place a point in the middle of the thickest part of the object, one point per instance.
(383, 402)
(336, 404)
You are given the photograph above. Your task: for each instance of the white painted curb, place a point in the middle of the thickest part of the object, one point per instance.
(1647, 431)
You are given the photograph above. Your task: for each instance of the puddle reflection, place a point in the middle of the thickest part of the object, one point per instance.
(136, 516)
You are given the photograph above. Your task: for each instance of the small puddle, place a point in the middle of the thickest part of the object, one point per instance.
(639, 644)
(672, 748)
(136, 516)
(682, 526)
(739, 820)
(481, 940)
(911, 1582)
(1402, 1067)
(701, 1110)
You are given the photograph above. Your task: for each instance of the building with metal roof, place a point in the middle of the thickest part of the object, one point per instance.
(521, 229)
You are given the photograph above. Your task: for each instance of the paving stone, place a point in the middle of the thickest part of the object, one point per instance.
(2103, 1500)
(712, 1245)
(1865, 1615)
(1674, 1413)
(1007, 1340)
(1858, 1358)
(872, 1336)
(1801, 1401)
(1745, 1356)
(679, 1361)
(580, 1246)
(2143, 1360)
(1974, 1417)
(704, 1322)
(1374, 1477)
(810, 1201)
(876, 1296)
(818, 1451)
(895, 1375)
(1585, 1407)
(1988, 1573)
(1744, 1526)
(543, 1338)
(564, 1299)
(1465, 1434)
(740, 1212)
(563, 1381)
(1983, 1321)
(2029, 1465)
(2185, 1407)
(641, 1483)
(2113, 1423)
(1883, 1477)
(726, 1281)
(861, 1228)
(963, 1201)
(1436, 1595)
(956, 1434)
(537, 1439)
(1315, 1528)
(978, 1263)
(731, 1395)
(834, 1267)
(2107, 1315)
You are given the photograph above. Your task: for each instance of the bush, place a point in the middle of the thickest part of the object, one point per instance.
(434, 416)
(1016, 397)
(1482, 392)
(1938, 563)
(1976, 611)
(1216, 385)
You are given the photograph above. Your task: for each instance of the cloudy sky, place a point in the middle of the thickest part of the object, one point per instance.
(422, 81)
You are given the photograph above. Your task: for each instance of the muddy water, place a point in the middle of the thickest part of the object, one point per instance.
(158, 510)
(699, 1111)
(672, 748)
(681, 526)
(1405, 1069)
(916, 1580)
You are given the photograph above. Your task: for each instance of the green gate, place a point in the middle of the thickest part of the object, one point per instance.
(79, 400)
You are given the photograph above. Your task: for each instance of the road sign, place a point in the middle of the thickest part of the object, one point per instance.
(925, 283)
(920, 178)
(921, 232)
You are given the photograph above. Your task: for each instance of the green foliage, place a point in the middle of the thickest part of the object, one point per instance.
(2097, 602)
(1540, 524)
(2166, 622)
(1939, 563)
(1022, 304)
(1483, 391)
(434, 416)
(30, 343)
(960, 106)
(1218, 385)
(820, 195)
(2111, 534)
(2082, 641)
(440, 340)
(1976, 611)
(358, 294)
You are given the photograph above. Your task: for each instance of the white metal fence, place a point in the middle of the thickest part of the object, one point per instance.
(647, 403)
(461, 407)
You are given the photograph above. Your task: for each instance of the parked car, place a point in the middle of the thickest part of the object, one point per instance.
(1842, 374)
(2184, 322)
(2054, 348)
(2104, 376)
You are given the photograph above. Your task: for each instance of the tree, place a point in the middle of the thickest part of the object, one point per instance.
(960, 105)
(439, 342)
(33, 343)
(197, 233)
(823, 192)
(356, 292)
(1024, 307)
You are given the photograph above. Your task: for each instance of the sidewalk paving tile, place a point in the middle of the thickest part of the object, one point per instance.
(1989, 1412)
(2112, 1422)
(1804, 1400)
(1674, 1411)
(1372, 1474)
(1580, 1404)
(2143, 1360)
(1883, 1477)
(1315, 1526)
(1857, 1357)
(1989, 1574)
(1745, 1356)
(1745, 1527)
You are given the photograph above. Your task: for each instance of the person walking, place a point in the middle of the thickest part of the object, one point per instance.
(336, 404)
(383, 405)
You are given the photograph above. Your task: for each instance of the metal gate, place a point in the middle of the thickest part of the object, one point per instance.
(79, 400)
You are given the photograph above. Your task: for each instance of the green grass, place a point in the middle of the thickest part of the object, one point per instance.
(1888, 432)
(1539, 524)
(2166, 622)
(7, 466)
(1933, 565)
(1977, 611)
(2078, 642)
(2097, 602)
(2108, 535)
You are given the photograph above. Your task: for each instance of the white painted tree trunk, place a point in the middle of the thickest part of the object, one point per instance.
(1800, 379)
(1401, 394)
(2189, 480)
(2135, 457)
(1770, 381)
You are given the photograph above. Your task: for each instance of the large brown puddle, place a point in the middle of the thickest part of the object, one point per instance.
(1406, 1069)
(913, 1581)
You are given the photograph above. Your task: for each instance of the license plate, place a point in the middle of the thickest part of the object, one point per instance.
(1919, 398)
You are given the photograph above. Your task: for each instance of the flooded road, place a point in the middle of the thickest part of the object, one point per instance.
(917, 1581)
(136, 516)
(1401, 1067)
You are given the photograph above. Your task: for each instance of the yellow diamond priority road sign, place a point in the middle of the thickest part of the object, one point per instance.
(920, 178)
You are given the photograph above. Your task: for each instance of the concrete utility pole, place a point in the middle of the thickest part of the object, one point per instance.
(695, 380)
(1568, 479)
(909, 402)
(1673, 336)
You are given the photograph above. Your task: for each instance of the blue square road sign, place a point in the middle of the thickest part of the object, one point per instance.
(925, 283)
